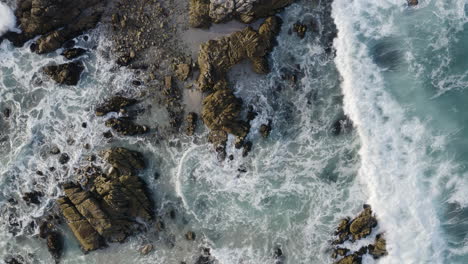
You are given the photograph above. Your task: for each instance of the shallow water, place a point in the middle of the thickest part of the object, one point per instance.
(399, 73)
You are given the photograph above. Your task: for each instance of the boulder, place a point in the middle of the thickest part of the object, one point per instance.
(300, 29)
(413, 2)
(216, 57)
(204, 12)
(114, 104)
(362, 225)
(73, 53)
(57, 21)
(68, 73)
(183, 71)
(379, 248)
(351, 259)
(265, 129)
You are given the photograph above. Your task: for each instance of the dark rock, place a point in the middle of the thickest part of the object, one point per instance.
(136, 82)
(68, 73)
(192, 119)
(172, 214)
(84, 125)
(300, 29)
(64, 158)
(114, 104)
(7, 112)
(126, 126)
(342, 125)
(413, 2)
(14, 260)
(247, 148)
(51, 169)
(362, 225)
(107, 134)
(251, 114)
(74, 53)
(339, 252)
(32, 197)
(55, 244)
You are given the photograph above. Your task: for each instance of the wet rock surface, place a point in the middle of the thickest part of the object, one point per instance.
(126, 126)
(355, 229)
(56, 21)
(192, 119)
(205, 12)
(114, 104)
(68, 73)
(107, 207)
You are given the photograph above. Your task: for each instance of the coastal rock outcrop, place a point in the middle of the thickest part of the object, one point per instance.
(73, 53)
(126, 126)
(355, 229)
(107, 206)
(114, 104)
(205, 12)
(57, 21)
(67, 73)
(216, 57)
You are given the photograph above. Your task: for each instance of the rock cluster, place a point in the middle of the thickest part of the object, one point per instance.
(216, 57)
(56, 21)
(205, 12)
(107, 207)
(67, 73)
(356, 229)
(73, 53)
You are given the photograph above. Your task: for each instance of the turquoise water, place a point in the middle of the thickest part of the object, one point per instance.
(399, 73)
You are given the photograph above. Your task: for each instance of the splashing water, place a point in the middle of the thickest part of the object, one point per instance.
(7, 19)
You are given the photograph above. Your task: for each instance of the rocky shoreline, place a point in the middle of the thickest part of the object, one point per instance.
(108, 204)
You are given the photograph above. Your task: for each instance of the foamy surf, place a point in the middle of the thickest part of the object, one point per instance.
(7, 19)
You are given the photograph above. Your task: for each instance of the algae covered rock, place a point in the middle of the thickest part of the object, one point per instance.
(216, 57)
(109, 207)
(68, 73)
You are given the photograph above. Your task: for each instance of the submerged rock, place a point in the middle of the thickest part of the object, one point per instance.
(413, 2)
(73, 53)
(216, 57)
(55, 244)
(114, 104)
(204, 12)
(68, 73)
(146, 249)
(112, 206)
(265, 129)
(32, 197)
(300, 29)
(57, 21)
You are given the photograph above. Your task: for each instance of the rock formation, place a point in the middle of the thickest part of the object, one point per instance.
(205, 12)
(68, 73)
(107, 207)
(126, 126)
(73, 53)
(356, 229)
(216, 57)
(57, 21)
(114, 104)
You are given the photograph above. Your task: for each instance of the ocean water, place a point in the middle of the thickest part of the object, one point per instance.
(398, 72)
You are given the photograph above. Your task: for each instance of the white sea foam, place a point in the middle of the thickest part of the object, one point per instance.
(399, 165)
(7, 19)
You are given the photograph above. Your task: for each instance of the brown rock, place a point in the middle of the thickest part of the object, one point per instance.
(68, 73)
(183, 71)
(192, 119)
(413, 2)
(114, 104)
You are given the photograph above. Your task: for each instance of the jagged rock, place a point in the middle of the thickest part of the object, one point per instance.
(192, 119)
(68, 73)
(114, 104)
(204, 12)
(339, 252)
(378, 249)
(413, 2)
(126, 126)
(183, 71)
(56, 21)
(342, 125)
(300, 29)
(216, 57)
(362, 225)
(73, 53)
(351, 259)
(112, 205)
(221, 111)
(219, 139)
